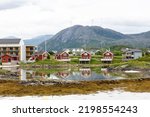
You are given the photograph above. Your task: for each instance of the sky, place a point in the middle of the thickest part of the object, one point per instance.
(30, 18)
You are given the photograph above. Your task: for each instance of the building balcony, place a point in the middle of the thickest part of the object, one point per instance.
(106, 59)
(84, 59)
(64, 60)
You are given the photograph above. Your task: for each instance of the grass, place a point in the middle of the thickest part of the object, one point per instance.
(15, 88)
(140, 63)
(3, 72)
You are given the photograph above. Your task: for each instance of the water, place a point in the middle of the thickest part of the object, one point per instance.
(81, 74)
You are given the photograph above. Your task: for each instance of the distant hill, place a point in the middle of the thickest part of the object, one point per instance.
(82, 36)
(94, 37)
(141, 40)
(37, 40)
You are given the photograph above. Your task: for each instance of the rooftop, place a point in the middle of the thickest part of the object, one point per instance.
(10, 41)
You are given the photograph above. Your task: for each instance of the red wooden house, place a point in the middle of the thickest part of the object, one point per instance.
(62, 56)
(107, 57)
(8, 59)
(85, 57)
(39, 56)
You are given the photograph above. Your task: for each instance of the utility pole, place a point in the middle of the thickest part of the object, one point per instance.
(45, 45)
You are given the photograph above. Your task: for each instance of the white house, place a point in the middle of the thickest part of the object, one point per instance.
(130, 54)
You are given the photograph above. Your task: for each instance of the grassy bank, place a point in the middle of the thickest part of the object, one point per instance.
(15, 88)
(117, 62)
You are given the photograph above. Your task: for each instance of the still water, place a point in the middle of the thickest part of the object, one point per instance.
(81, 74)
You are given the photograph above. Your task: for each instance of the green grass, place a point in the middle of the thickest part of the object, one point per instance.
(96, 60)
(3, 72)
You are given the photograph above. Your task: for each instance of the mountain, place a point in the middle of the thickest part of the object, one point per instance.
(79, 36)
(37, 40)
(82, 36)
(141, 40)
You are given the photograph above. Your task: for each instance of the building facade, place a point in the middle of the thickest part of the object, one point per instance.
(42, 55)
(62, 56)
(85, 57)
(30, 50)
(12, 50)
(130, 54)
(107, 57)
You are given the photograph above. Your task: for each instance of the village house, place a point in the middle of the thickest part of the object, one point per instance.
(107, 57)
(85, 57)
(130, 54)
(12, 51)
(62, 56)
(42, 55)
(77, 51)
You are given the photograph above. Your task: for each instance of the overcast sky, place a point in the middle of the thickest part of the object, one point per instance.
(29, 18)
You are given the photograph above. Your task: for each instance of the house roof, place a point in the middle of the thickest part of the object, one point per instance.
(85, 52)
(9, 55)
(61, 52)
(39, 53)
(10, 41)
(133, 50)
(107, 51)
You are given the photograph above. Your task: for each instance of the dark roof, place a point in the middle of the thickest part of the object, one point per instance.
(58, 53)
(85, 52)
(107, 51)
(133, 50)
(10, 41)
(39, 53)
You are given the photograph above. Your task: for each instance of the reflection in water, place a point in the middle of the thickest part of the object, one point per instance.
(64, 74)
(106, 73)
(23, 75)
(83, 74)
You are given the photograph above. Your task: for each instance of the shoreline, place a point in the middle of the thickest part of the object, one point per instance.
(51, 88)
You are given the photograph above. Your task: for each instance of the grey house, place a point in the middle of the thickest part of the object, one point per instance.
(130, 54)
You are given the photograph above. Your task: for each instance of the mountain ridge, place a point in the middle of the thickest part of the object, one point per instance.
(79, 36)
(37, 40)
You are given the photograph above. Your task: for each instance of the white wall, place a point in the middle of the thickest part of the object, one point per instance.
(137, 55)
(23, 51)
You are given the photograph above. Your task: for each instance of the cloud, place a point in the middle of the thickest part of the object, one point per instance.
(11, 4)
(28, 18)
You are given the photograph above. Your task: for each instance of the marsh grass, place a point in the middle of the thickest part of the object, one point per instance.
(15, 88)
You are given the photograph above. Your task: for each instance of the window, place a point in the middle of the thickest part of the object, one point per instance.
(31, 53)
(4, 48)
(11, 48)
(16, 48)
(16, 54)
(31, 48)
